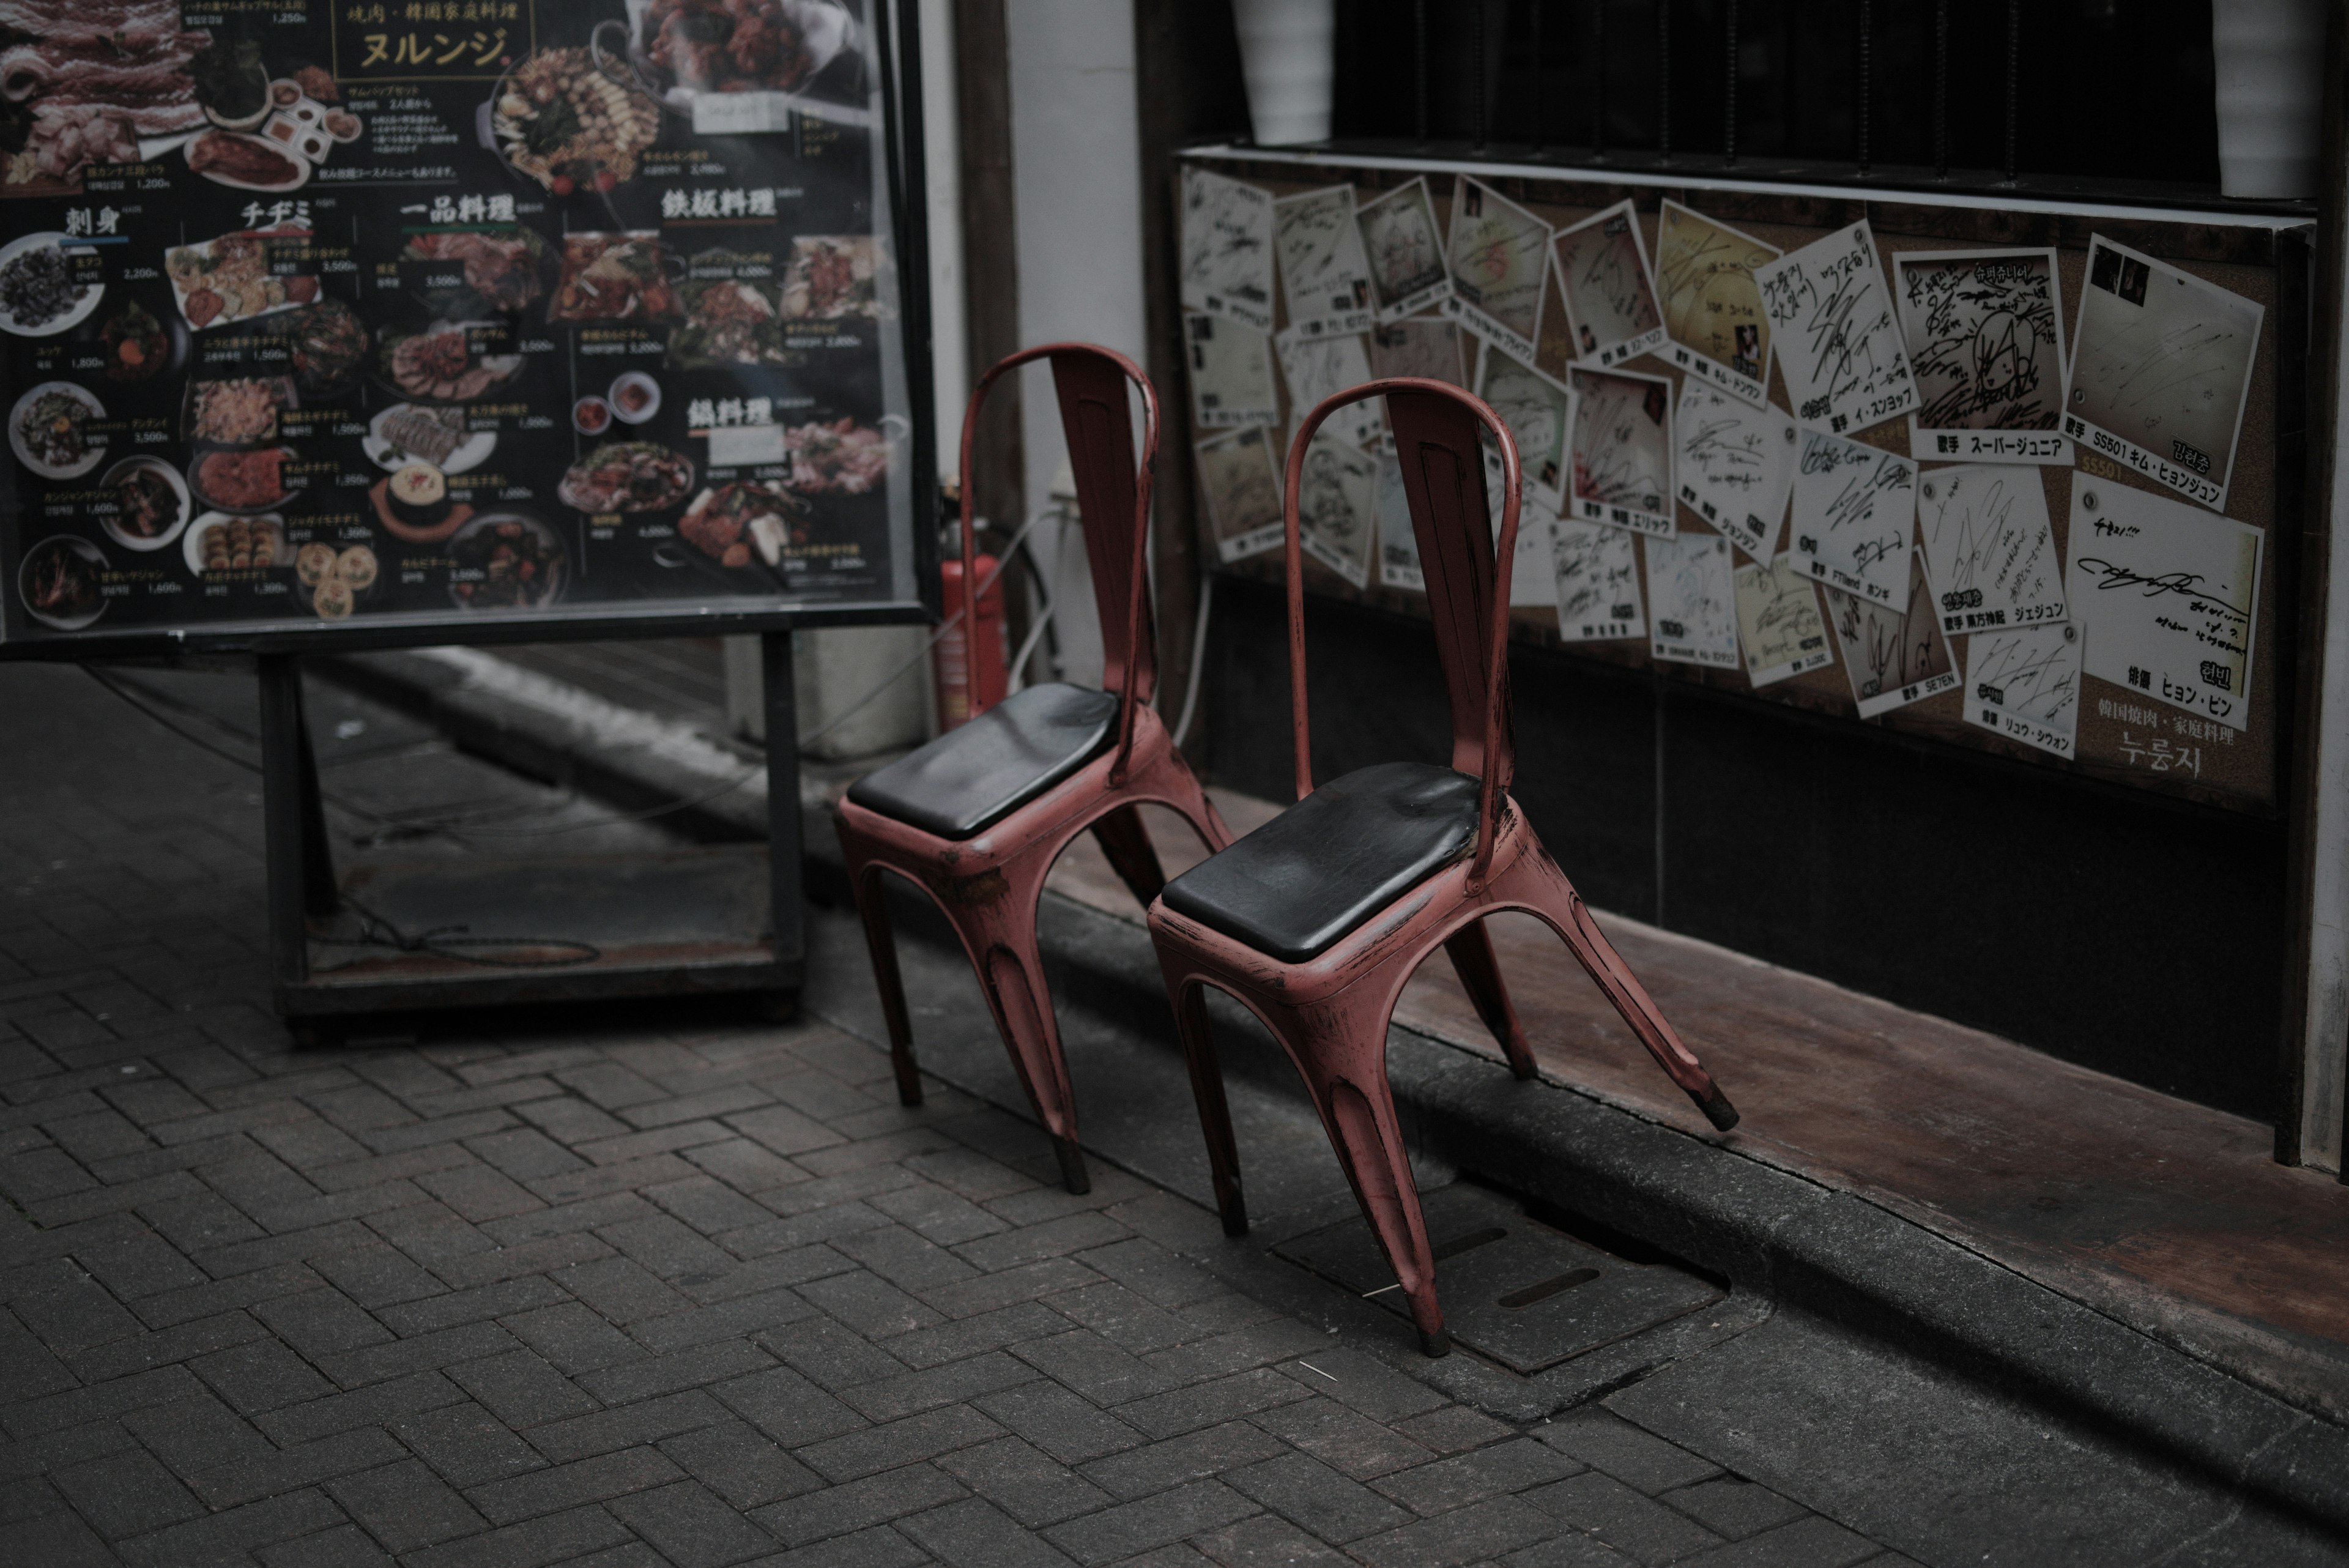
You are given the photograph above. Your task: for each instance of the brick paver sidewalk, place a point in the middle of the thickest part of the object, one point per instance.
(701, 1296)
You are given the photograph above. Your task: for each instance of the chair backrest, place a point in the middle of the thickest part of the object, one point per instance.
(1465, 566)
(1112, 505)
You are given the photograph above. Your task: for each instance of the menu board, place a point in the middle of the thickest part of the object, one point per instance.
(425, 314)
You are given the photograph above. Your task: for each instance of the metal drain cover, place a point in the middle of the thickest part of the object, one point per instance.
(1513, 1289)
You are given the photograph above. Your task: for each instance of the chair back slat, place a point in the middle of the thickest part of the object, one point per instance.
(1443, 482)
(1436, 428)
(1099, 427)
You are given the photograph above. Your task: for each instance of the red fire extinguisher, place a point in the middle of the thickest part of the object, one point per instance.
(983, 632)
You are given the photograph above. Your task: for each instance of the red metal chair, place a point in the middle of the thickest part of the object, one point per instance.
(976, 818)
(1315, 920)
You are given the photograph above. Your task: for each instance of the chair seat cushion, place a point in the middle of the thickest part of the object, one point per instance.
(974, 775)
(1295, 886)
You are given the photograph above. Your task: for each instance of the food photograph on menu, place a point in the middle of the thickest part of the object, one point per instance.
(431, 311)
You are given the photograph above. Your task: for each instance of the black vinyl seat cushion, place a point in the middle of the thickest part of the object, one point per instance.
(1295, 886)
(975, 775)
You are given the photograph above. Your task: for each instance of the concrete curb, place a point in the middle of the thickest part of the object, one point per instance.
(1769, 1230)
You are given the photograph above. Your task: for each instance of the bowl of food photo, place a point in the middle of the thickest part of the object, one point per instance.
(59, 582)
(49, 429)
(149, 503)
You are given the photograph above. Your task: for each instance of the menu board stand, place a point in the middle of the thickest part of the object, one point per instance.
(372, 937)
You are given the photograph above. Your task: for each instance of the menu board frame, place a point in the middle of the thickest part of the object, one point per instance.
(891, 533)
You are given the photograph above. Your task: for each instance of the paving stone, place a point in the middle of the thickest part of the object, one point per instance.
(1515, 1465)
(739, 1465)
(1453, 1428)
(521, 1390)
(1014, 1325)
(560, 1487)
(346, 1546)
(234, 1535)
(1330, 1505)
(878, 1308)
(1812, 1542)
(645, 1422)
(1464, 1535)
(533, 1543)
(975, 1533)
(1736, 1509)
(1572, 1550)
(787, 1406)
(1186, 1409)
(305, 1464)
(405, 1506)
(364, 1407)
(1622, 1518)
(1344, 1438)
(1268, 1541)
(1135, 1527)
(128, 1492)
(466, 1444)
(1024, 1481)
(1161, 1466)
(1031, 1243)
(878, 1547)
(899, 1442)
(955, 1382)
(263, 1376)
(875, 1500)
(1095, 1366)
(1068, 1429)
(1631, 1455)
(691, 1527)
(620, 1290)
(573, 1338)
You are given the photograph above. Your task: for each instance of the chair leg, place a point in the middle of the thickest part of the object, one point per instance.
(1126, 841)
(1001, 934)
(1630, 999)
(1196, 1028)
(872, 903)
(1471, 950)
(1349, 1084)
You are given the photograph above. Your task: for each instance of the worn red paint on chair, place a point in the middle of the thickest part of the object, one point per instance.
(1330, 1008)
(1060, 762)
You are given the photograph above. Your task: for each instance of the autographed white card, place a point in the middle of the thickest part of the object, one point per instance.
(1624, 451)
(1531, 576)
(2167, 597)
(1321, 367)
(1830, 315)
(1989, 552)
(1736, 465)
(1984, 335)
(1228, 248)
(1692, 599)
(1714, 321)
(1425, 346)
(1498, 256)
(1231, 374)
(2161, 368)
(2026, 685)
(1398, 544)
(1779, 624)
(1239, 487)
(1610, 299)
(1323, 271)
(1855, 508)
(1406, 257)
(1598, 582)
(1539, 411)
(1892, 658)
(1337, 507)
